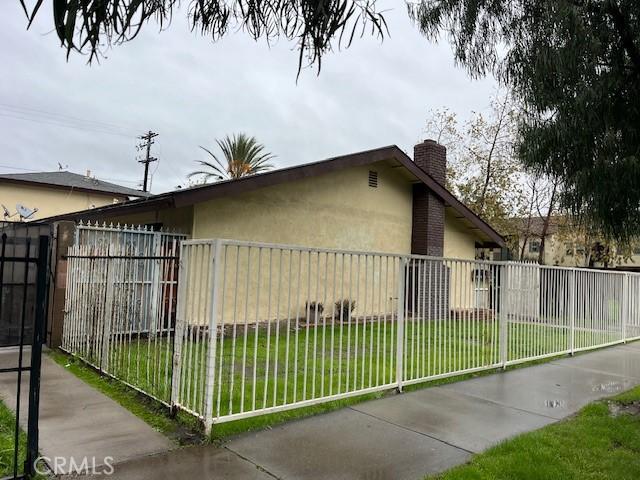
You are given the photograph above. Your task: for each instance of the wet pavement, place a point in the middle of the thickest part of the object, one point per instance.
(402, 436)
(77, 421)
(410, 435)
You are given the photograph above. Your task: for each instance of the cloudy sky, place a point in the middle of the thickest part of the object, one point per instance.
(192, 91)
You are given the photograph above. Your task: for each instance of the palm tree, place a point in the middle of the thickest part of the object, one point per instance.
(243, 156)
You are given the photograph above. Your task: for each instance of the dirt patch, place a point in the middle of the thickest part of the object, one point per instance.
(184, 435)
(617, 409)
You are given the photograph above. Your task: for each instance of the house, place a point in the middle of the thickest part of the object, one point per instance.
(568, 245)
(37, 195)
(526, 239)
(377, 200)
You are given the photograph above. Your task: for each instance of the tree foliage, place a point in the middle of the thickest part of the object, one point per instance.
(482, 167)
(575, 66)
(242, 156)
(90, 25)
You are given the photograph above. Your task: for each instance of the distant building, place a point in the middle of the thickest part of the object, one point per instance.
(44, 194)
(568, 245)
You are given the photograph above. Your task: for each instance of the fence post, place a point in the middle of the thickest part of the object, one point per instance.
(107, 313)
(624, 314)
(402, 272)
(183, 275)
(572, 313)
(504, 322)
(36, 356)
(215, 265)
(156, 279)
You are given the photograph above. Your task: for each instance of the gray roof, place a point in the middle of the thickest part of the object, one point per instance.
(534, 225)
(72, 180)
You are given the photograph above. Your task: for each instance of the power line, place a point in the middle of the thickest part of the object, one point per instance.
(62, 116)
(19, 168)
(66, 125)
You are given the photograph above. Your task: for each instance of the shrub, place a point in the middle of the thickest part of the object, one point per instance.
(344, 308)
(313, 307)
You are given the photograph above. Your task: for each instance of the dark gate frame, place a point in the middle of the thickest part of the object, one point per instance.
(41, 263)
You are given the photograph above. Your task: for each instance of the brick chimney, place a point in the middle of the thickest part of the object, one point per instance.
(427, 235)
(432, 158)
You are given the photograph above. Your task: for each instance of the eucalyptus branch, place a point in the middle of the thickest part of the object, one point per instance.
(89, 26)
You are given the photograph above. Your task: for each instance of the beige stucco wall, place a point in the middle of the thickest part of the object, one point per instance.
(51, 200)
(335, 210)
(459, 243)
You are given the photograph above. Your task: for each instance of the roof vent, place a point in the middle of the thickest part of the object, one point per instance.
(373, 179)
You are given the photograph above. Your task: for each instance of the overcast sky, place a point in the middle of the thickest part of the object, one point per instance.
(192, 91)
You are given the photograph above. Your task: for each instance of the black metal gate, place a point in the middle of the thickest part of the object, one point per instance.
(23, 305)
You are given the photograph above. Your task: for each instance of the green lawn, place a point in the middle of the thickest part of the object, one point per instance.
(7, 430)
(280, 365)
(593, 445)
(283, 365)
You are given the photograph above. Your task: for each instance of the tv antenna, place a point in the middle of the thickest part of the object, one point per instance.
(7, 213)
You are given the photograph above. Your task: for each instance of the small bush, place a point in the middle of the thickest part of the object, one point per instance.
(344, 308)
(313, 308)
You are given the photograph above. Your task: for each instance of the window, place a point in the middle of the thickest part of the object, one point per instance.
(373, 179)
(534, 246)
(568, 249)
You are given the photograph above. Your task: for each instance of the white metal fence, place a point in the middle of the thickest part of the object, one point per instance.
(298, 326)
(262, 328)
(120, 301)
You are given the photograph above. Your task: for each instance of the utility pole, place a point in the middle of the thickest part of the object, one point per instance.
(147, 141)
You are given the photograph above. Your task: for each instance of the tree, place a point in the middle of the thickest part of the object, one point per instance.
(243, 156)
(575, 66)
(89, 25)
(545, 205)
(483, 169)
(525, 229)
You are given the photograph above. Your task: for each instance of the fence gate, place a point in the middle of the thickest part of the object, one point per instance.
(23, 282)
(120, 304)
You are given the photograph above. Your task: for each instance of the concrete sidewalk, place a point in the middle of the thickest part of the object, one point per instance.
(77, 421)
(410, 435)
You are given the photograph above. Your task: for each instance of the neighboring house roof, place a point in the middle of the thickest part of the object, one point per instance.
(533, 226)
(200, 193)
(71, 180)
